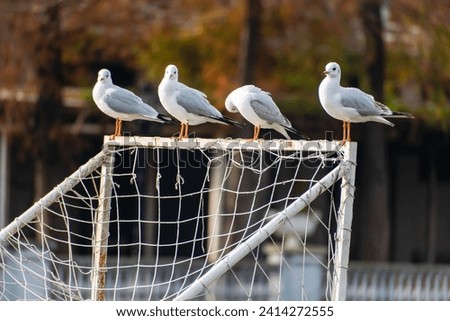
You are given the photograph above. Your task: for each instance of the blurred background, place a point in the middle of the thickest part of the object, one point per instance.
(398, 50)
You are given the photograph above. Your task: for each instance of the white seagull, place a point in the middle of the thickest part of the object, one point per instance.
(190, 106)
(351, 105)
(258, 108)
(122, 104)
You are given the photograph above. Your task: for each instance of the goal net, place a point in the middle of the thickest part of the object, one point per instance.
(151, 218)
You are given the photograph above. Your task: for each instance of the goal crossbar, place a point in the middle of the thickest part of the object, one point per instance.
(226, 144)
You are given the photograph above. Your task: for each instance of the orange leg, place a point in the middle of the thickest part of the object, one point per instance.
(116, 130)
(344, 129)
(348, 131)
(186, 130)
(346, 125)
(181, 131)
(256, 130)
(119, 133)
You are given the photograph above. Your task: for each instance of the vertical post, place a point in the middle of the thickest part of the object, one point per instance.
(4, 163)
(216, 208)
(101, 227)
(344, 224)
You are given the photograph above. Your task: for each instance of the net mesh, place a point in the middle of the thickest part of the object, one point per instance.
(175, 212)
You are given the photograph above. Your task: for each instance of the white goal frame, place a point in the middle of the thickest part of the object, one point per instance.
(105, 159)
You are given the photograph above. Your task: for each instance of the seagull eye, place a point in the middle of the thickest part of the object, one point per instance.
(334, 69)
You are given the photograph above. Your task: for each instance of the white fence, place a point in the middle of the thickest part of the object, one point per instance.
(398, 281)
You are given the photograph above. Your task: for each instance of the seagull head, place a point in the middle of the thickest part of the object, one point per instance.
(104, 76)
(332, 70)
(229, 103)
(171, 72)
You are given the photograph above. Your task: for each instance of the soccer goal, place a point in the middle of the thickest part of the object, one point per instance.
(152, 218)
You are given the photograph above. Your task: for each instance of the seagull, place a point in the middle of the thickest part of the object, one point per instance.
(122, 104)
(190, 106)
(351, 105)
(258, 108)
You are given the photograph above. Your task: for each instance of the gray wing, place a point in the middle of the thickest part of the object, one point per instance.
(363, 103)
(267, 110)
(195, 102)
(124, 101)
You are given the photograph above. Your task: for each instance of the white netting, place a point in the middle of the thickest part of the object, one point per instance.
(207, 219)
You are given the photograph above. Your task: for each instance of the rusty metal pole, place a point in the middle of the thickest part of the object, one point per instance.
(101, 227)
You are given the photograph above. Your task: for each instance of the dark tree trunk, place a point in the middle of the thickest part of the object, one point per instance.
(46, 131)
(250, 39)
(375, 218)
